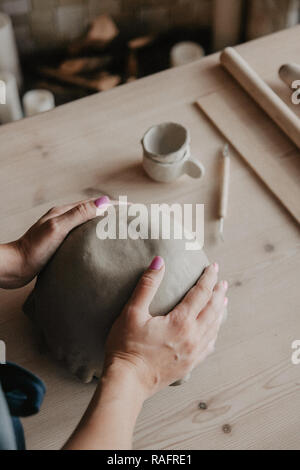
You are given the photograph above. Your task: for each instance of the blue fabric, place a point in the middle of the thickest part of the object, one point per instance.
(24, 394)
(7, 433)
(19, 433)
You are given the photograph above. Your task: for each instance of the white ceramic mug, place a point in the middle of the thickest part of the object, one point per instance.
(167, 153)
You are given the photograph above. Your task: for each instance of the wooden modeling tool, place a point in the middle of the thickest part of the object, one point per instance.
(224, 189)
(263, 95)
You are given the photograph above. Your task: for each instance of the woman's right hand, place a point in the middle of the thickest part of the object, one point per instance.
(161, 350)
(145, 354)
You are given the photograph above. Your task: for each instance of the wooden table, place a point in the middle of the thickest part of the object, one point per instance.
(93, 146)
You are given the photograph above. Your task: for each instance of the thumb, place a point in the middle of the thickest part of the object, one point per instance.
(148, 285)
(81, 213)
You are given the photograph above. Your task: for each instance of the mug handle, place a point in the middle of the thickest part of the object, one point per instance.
(193, 168)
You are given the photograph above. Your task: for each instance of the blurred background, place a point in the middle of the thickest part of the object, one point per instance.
(73, 48)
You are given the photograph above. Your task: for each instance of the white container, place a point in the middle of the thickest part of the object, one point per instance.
(38, 101)
(185, 53)
(10, 105)
(9, 60)
(167, 154)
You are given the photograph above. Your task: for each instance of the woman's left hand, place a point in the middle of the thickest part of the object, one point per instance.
(22, 260)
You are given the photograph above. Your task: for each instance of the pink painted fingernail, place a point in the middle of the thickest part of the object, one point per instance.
(216, 266)
(157, 263)
(225, 285)
(226, 301)
(102, 201)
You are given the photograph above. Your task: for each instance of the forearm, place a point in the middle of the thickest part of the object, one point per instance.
(10, 266)
(111, 416)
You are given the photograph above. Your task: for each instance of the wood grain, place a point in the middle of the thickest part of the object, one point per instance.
(259, 142)
(92, 146)
(262, 93)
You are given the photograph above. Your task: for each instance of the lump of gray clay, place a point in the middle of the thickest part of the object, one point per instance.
(84, 287)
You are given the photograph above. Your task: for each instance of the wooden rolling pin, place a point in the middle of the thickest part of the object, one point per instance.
(262, 94)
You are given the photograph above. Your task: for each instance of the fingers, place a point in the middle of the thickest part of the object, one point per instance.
(57, 211)
(210, 349)
(215, 312)
(211, 337)
(148, 285)
(199, 295)
(60, 210)
(215, 307)
(77, 215)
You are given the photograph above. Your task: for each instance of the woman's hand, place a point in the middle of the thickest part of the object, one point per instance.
(145, 354)
(22, 260)
(162, 350)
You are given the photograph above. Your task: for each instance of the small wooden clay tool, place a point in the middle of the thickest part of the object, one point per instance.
(224, 189)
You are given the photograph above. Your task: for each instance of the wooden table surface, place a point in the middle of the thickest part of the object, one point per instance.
(93, 146)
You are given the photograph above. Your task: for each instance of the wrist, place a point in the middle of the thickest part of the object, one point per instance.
(112, 413)
(11, 265)
(125, 373)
